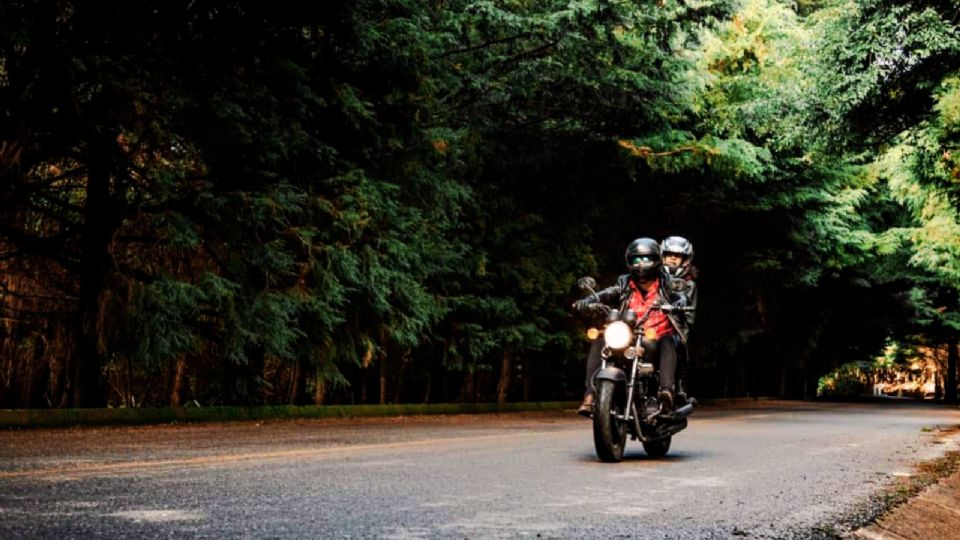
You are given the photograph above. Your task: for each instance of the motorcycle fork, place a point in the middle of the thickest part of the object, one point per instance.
(630, 414)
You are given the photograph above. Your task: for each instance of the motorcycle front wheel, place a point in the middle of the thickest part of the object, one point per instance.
(609, 433)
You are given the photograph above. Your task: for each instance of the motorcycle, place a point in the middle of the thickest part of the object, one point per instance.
(627, 385)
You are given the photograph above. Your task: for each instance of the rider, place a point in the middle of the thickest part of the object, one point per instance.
(643, 287)
(680, 273)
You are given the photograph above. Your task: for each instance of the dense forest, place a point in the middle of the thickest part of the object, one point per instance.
(382, 201)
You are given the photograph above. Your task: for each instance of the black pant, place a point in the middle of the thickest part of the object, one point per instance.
(667, 347)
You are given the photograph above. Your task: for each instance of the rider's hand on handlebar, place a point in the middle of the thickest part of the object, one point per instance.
(590, 306)
(583, 305)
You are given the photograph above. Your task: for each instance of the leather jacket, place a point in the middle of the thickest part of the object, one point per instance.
(675, 291)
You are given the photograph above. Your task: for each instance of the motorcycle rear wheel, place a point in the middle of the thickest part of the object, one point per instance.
(657, 449)
(609, 433)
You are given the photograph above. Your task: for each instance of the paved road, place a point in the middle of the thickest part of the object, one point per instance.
(769, 470)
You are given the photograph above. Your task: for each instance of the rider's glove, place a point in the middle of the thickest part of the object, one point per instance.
(583, 304)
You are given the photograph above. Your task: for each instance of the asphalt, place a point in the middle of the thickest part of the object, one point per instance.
(766, 470)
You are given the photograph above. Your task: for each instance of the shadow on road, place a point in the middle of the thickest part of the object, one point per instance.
(638, 457)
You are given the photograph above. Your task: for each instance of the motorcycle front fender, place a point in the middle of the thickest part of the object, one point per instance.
(611, 373)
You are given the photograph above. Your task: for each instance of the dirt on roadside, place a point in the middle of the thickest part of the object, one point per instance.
(925, 506)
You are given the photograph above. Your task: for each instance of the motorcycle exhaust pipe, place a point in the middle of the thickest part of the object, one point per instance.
(671, 428)
(684, 411)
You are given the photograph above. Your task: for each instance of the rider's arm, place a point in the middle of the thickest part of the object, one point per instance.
(613, 294)
(682, 293)
(609, 297)
(691, 294)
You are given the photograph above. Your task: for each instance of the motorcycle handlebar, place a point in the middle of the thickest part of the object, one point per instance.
(683, 309)
(593, 308)
(603, 308)
(599, 307)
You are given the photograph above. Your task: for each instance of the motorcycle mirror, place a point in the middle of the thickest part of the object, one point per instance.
(586, 283)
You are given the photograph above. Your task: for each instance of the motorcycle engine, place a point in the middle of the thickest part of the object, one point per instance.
(650, 406)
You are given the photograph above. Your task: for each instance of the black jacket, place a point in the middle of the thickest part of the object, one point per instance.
(675, 291)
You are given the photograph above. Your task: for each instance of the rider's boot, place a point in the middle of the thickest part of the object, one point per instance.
(586, 408)
(666, 400)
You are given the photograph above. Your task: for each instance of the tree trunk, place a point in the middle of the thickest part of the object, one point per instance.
(506, 365)
(320, 389)
(383, 379)
(384, 371)
(292, 387)
(426, 390)
(467, 389)
(950, 386)
(304, 398)
(89, 388)
(128, 386)
(59, 392)
(783, 381)
(527, 378)
(100, 220)
(401, 371)
(175, 392)
(364, 376)
(937, 386)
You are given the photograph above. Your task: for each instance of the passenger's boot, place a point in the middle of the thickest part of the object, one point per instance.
(681, 395)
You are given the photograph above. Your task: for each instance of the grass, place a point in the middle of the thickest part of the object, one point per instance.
(43, 418)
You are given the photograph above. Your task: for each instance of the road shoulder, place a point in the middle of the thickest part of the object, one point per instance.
(924, 506)
(935, 513)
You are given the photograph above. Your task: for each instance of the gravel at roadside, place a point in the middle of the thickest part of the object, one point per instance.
(925, 505)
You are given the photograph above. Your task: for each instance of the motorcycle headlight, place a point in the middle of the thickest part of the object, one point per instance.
(617, 335)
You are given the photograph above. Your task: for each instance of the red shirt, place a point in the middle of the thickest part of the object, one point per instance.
(640, 303)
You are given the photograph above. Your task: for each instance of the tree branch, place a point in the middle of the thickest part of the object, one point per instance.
(484, 45)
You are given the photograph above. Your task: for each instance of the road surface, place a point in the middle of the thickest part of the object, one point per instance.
(759, 470)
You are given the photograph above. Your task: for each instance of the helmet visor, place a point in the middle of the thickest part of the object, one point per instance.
(642, 261)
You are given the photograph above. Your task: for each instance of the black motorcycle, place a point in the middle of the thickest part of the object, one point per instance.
(627, 386)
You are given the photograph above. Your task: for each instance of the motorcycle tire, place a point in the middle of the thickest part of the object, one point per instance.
(657, 449)
(609, 434)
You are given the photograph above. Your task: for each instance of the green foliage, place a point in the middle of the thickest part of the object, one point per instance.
(852, 379)
(294, 195)
(885, 74)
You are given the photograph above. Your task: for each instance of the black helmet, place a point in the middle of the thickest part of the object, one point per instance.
(643, 258)
(678, 245)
